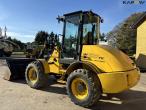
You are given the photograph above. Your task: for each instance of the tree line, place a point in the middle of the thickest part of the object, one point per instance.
(123, 36)
(40, 39)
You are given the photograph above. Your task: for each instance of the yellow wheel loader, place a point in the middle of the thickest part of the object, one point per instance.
(87, 68)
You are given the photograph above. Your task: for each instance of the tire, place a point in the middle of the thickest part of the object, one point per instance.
(35, 76)
(88, 94)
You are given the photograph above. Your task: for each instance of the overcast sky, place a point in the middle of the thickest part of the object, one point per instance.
(24, 18)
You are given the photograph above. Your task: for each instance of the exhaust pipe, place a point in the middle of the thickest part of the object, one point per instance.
(13, 68)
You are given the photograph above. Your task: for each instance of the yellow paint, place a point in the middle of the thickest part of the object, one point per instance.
(141, 45)
(52, 65)
(120, 74)
(106, 58)
(32, 76)
(118, 81)
(117, 72)
(79, 94)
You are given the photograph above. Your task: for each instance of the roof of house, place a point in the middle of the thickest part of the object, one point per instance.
(139, 21)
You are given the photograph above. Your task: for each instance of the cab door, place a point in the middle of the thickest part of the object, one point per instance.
(70, 43)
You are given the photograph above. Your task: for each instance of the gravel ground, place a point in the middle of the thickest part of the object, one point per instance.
(18, 96)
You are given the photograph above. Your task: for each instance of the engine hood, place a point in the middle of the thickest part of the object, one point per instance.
(104, 57)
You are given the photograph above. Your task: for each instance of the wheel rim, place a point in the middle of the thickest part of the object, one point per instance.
(79, 88)
(32, 75)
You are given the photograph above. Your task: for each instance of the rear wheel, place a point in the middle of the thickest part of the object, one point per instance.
(35, 76)
(83, 87)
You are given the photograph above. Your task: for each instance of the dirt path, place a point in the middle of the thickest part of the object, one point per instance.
(18, 96)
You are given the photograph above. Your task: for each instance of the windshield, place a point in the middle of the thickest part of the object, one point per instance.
(89, 34)
(90, 29)
(71, 34)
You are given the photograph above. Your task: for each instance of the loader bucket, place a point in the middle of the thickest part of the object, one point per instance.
(13, 68)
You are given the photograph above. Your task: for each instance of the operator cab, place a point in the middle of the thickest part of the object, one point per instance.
(80, 28)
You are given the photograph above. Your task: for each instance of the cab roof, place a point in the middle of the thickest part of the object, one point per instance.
(82, 12)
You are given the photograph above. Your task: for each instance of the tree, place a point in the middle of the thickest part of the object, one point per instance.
(41, 37)
(123, 36)
(102, 37)
(50, 42)
(53, 40)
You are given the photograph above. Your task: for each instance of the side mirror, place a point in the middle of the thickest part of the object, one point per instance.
(60, 18)
(101, 20)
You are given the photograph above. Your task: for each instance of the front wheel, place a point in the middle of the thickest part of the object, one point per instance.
(83, 87)
(35, 76)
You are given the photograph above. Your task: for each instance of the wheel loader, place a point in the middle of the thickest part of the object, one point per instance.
(88, 69)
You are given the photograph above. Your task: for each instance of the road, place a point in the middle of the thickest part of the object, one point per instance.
(18, 96)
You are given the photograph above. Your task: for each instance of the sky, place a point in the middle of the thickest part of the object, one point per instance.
(24, 18)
